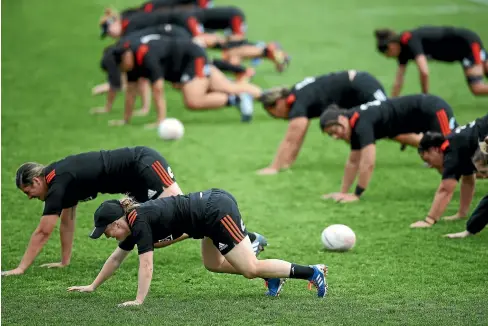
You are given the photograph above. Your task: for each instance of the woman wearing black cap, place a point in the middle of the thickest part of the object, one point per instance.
(210, 215)
(447, 44)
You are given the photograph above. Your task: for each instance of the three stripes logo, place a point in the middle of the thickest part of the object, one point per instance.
(50, 176)
(162, 173)
(232, 228)
(132, 217)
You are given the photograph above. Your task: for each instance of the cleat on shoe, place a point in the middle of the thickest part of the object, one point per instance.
(274, 285)
(259, 244)
(318, 280)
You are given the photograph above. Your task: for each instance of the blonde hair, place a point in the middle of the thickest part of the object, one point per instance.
(128, 204)
(109, 13)
(270, 96)
(27, 172)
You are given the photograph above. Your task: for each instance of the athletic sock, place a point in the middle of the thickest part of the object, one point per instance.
(301, 272)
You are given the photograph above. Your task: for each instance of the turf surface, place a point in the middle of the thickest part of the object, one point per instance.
(395, 275)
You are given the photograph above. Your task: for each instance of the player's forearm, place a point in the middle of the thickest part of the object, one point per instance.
(130, 98)
(66, 230)
(37, 241)
(467, 193)
(350, 172)
(280, 157)
(145, 277)
(365, 174)
(424, 81)
(111, 95)
(163, 244)
(160, 104)
(110, 266)
(441, 200)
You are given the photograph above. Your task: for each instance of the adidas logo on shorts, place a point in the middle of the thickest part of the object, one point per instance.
(151, 193)
(222, 246)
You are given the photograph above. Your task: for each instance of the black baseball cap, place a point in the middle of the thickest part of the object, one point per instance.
(108, 212)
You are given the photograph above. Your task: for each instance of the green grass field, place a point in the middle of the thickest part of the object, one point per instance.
(394, 275)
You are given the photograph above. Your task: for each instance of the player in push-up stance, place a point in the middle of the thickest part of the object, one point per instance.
(307, 100)
(403, 119)
(211, 215)
(139, 171)
(454, 155)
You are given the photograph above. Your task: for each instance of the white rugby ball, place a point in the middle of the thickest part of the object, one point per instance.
(171, 129)
(338, 237)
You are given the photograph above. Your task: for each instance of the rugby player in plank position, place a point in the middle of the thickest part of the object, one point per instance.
(213, 216)
(117, 80)
(403, 119)
(447, 44)
(307, 100)
(453, 155)
(139, 171)
(204, 87)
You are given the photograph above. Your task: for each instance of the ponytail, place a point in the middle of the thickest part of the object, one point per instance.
(128, 204)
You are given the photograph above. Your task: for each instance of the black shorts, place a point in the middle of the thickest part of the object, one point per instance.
(224, 224)
(367, 88)
(479, 218)
(474, 52)
(440, 115)
(231, 20)
(154, 172)
(197, 65)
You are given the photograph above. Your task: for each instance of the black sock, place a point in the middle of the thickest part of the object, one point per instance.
(251, 236)
(228, 67)
(232, 100)
(300, 271)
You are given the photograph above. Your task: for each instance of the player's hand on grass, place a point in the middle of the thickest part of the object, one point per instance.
(268, 171)
(453, 217)
(347, 198)
(99, 110)
(113, 123)
(100, 89)
(142, 112)
(420, 224)
(82, 288)
(17, 271)
(458, 235)
(333, 195)
(151, 125)
(130, 303)
(341, 197)
(54, 265)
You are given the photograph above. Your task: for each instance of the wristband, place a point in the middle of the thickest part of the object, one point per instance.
(430, 220)
(359, 190)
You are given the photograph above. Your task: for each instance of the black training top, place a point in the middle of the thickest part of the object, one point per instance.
(310, 97)
(440, 43)
(166, 219)
(81, 177)
(109, 63)
(164, 58)
(392, 117)
(460, 147)
(141, 20)
(218, 18)
(150, 6)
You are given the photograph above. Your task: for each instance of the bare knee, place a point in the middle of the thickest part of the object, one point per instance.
(192, 102)
(250, 272)
(211, 267)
